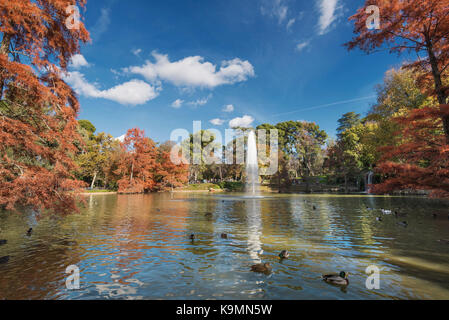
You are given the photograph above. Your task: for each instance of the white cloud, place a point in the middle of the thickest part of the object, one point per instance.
(137, 52)
(277, 9)
(243, 122)
(193, 71)
(328, 14)
(78, 61)
(301, 46)
(133, 92)
(217, 122)
(177, 103)
(228, 108)
(200, 102)
(290, 23)
(102, 24)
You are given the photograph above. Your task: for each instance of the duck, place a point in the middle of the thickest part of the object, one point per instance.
(403, 224)
(369, 209)
(445, 241)
(340, 279)
(224, 236)
(385, 211)
(4, 259)
(379, 218)
(284, 254)
(29, 232)
(192, 237)
(314, 208)
(3, 242)
(262, 268)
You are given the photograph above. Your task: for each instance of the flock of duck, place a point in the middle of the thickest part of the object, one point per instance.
(339, 279)
(389, 212)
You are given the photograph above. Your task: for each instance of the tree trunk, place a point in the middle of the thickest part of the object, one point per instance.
(346, 183)
(132, 172)
(439, 89)
(93, 181)
(4, 50)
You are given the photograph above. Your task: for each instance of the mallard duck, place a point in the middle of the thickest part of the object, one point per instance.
(192, 237)
(4, 259)
(379, 218)
(224, 236)
(314, 208)
(3, 242)
(29, 232)
(284, 254)
(262, 268)
(403, 224)
(340, 279)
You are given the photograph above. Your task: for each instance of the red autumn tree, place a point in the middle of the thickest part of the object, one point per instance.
(170, 175)
(420, 161)
(420, 27)
(138, 163)
(38, 109)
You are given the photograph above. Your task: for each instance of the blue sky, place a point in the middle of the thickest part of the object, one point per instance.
(159, 65)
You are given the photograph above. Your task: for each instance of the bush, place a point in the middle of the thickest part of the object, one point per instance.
(232, 186)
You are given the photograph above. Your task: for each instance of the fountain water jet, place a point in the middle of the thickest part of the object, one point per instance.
(368, 182)
(252, 165)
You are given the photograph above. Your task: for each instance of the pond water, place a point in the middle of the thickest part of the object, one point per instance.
(138, 247)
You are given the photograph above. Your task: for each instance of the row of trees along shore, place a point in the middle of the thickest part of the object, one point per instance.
(47, 155)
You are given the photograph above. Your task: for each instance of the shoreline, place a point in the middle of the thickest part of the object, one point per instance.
(96, 193)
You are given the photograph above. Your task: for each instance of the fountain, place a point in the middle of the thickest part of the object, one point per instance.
(368, 182)
(252, 166)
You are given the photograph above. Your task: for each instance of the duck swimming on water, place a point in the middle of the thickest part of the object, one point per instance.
(284, 254)
(403, 224)
(340, 279)
(261, 268)
(4, 259)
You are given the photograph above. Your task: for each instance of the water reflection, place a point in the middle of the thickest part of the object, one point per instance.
(138, 247)
(254, 229)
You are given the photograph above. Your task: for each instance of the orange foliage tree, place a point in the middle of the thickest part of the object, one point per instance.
(145, 168)
(170, 175)
(38, 109)
(420, 159)
(138, 163)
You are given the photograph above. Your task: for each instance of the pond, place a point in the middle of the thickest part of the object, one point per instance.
(139, 247)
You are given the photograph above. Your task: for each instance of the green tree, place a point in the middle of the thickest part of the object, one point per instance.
(347, 121)
(96, 155)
